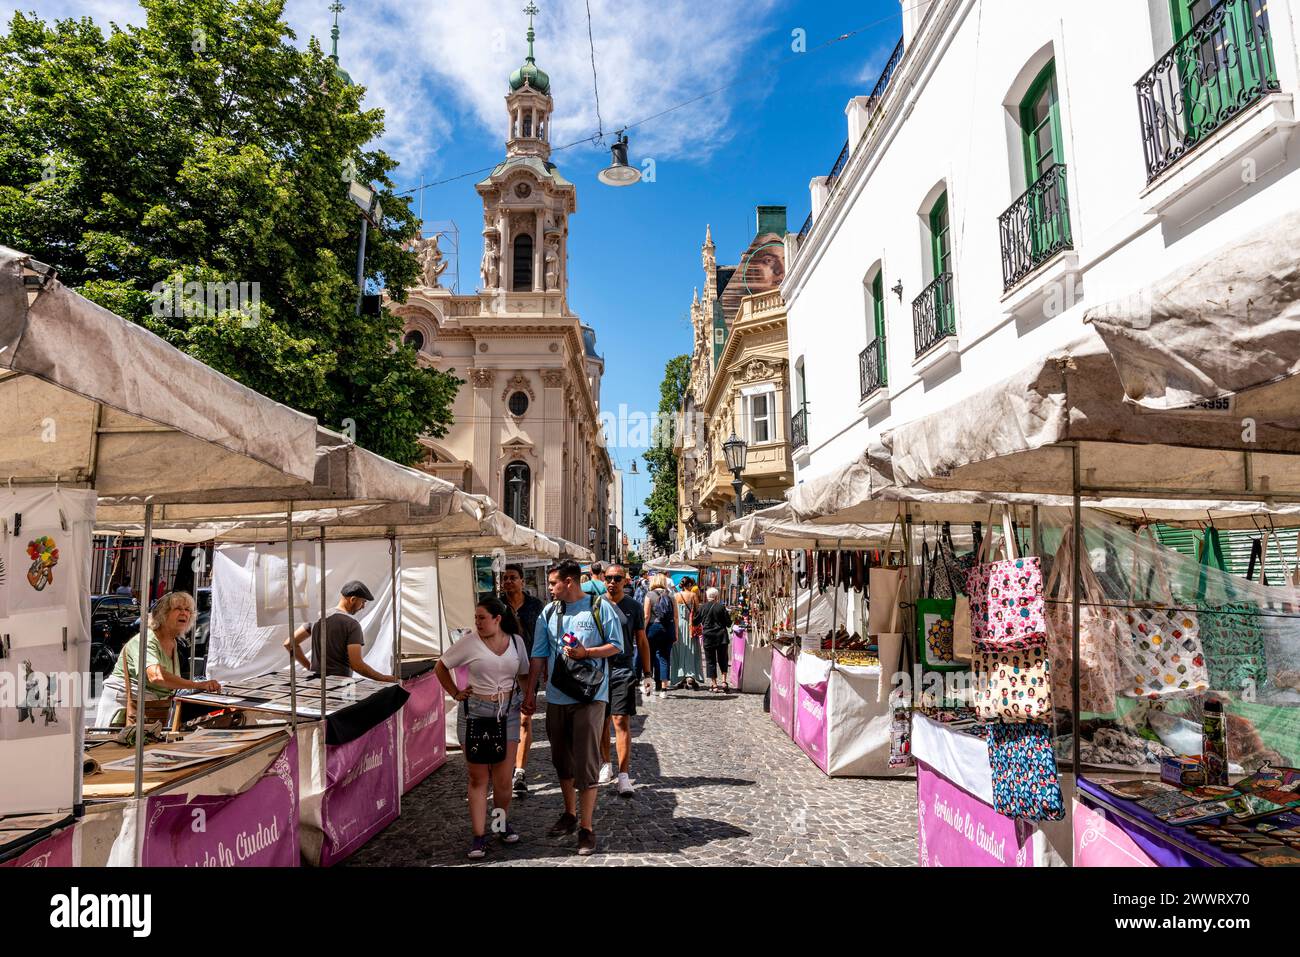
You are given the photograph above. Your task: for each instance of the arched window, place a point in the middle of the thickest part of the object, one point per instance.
(523, 264)
(415, 339)
(518, 488)
(528, 123)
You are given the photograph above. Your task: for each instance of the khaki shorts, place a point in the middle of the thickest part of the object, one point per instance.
(574, 732)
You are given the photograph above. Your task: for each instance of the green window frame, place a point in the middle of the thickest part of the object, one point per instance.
(940, 240)
(1237, 72)
(877, 295)
(1040, 125)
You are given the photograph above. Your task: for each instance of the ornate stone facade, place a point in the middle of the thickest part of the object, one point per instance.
(739, 380)
(518, 335)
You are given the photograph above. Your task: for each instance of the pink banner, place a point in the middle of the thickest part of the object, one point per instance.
(257, 827)
(360, 791)
(54, 851)
(810, 722)
(1099, 843)
(736, 669)
(782, 697)
(957, 829)
(424, 730)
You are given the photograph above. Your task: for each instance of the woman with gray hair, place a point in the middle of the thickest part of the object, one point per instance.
(171, 616)
(717, 631)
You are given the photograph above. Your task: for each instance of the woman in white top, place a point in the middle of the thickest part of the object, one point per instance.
(496, 657)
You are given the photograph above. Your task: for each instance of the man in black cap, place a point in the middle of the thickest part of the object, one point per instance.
(343, 639)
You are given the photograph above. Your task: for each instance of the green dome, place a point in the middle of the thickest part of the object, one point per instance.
(531, 74)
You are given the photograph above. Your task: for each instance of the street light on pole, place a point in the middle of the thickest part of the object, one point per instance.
(372, 213)
(736, 452)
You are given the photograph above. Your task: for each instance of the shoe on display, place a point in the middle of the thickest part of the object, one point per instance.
(567, 824)
(606, 773)
(624, 785)
(586, 842)
(478, 848)
(520, 784)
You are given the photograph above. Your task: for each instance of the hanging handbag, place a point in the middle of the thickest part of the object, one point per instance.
(1162, 654)
(934, 650)
(962, 647)
(1006, 597)
(1013, 684)
(1025, 782)
(485, 735)
(1231, 632)
(1101, 631)
(884, 591)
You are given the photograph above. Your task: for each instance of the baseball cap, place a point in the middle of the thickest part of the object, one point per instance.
(356, 589)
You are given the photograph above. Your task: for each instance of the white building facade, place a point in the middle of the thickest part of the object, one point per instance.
(1019, 164)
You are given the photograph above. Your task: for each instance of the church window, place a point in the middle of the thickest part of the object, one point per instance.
(523, 264)
(528, 124)
(518, 403)
(415, 339)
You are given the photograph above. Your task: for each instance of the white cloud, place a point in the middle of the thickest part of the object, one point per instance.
(424, 62)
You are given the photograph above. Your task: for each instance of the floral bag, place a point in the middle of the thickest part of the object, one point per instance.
(1101, 629)
(1025, 782)
(1013, 684)
(1006, 597)
(1163, 656)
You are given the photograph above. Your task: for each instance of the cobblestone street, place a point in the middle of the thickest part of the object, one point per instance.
(717, 783)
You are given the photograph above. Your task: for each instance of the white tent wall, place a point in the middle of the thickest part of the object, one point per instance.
(824, 613)
(422, 632)
(36, 760)
(240, 646)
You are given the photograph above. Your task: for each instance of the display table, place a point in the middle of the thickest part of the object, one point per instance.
(749, 665)
(838, 721)
(424, 732)
(353, 797)
(782, 697)
(1110, 831)
(956, 823)
(120, 785)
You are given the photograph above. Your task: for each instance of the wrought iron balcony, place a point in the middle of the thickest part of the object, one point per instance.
(871, 368)
(1036, 227)
(1218, 69)
(933, 315)
(799, 428)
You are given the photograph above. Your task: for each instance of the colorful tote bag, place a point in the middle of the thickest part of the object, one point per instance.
(1013, 684)
(1025, 782)
(1006, 598)
(1102, 629)
(1232, 633)
(934, 621)
(1163, 655)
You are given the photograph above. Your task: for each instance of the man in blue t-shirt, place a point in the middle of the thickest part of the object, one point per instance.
(574, 728)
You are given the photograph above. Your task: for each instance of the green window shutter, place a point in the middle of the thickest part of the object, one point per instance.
(1040, 125)
(1220, 69)
(878, 305)
(940, 248)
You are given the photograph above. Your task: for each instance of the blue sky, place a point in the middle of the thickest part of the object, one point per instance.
(440, 70)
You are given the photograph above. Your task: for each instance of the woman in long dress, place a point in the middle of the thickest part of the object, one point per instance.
(687, 660)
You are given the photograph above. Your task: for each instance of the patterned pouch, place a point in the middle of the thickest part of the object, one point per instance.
(1013, 685)
(1006, 598)
(1162, 656)
(1231, 632)
(1025, 783)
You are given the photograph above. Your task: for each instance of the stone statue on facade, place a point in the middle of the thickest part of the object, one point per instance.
(489, 268)
(432, 262)
(552, 263)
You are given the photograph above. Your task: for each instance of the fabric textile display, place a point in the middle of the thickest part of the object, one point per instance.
(1006, 597)
(1013, 684)
(1163, 656)
(1231, 633)
(1025, 781)
(1101, 630)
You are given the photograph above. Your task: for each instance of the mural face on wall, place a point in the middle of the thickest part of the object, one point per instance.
(764, 265)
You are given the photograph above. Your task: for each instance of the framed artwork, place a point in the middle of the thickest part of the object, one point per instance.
(39, 581)
(39, 679)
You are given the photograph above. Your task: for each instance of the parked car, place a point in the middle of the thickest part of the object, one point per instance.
(113, 620)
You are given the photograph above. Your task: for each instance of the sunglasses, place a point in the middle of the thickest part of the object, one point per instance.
(615, 578)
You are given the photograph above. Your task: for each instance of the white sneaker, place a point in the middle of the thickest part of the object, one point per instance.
(663, 694)
(624, 785)
(606, 773)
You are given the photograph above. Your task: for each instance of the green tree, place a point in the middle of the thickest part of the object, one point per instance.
(205, 147)
(660, 459)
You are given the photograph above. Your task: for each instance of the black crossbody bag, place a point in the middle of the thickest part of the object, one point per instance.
(580, 679)
(485, 737)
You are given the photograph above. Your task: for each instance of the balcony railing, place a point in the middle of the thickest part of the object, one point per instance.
(1223, 65)
(1036, 227)
(933, 316)
(871, 368)
(799, 428)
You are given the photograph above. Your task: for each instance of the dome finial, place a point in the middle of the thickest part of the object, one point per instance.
(529, 74)
(532, 11)
(335, 8)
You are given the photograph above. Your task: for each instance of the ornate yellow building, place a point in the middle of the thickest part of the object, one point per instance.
(526, 429)
(739, 382)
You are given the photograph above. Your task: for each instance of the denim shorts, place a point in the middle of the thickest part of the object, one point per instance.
(480, 708)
